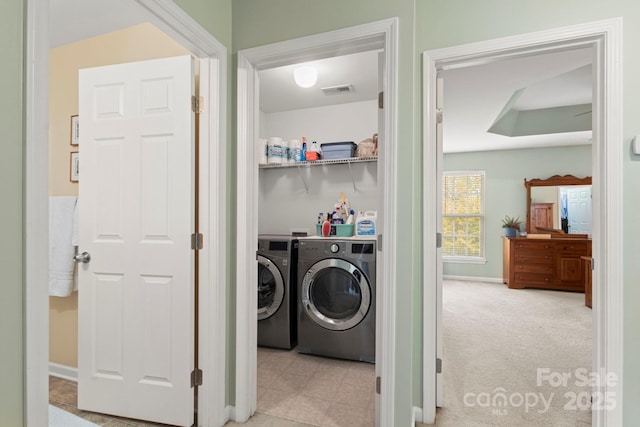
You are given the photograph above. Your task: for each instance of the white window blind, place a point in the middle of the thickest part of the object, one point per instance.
(463, 215)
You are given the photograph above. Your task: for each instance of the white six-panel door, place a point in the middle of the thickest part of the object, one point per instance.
(579, 208)
(136, 216)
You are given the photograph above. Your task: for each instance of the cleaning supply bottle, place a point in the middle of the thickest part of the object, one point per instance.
(366, 223)
(350, 217)
(285, 151)
(303, 154)
(316, 147)
(314, 151)
(296, 146)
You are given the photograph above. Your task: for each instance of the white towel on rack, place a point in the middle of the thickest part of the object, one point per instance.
(61, 249)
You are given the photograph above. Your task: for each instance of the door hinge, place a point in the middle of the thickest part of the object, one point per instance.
(196, 377)
(379, 244)
(438, 115)
(197, 241)
(438, 240)
(197, 104)
(378, 385)
(381, 101)
(438, 366)
(593, 263)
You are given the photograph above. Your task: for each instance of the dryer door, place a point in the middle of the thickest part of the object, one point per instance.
(270, 288)
(335, 294)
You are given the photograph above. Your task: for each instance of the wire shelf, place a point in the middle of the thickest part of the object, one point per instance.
(320, 162)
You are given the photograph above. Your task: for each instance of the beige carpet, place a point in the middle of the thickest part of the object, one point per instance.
(496, 339)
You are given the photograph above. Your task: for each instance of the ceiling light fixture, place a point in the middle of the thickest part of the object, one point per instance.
(305, 76)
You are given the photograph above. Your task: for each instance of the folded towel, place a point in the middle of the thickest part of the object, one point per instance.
(61, 248)
(74, 232)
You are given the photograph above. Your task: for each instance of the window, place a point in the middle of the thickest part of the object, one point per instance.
(463, 216)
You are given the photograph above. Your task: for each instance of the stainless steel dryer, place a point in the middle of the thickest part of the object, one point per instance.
(277, 261)
(337, 298)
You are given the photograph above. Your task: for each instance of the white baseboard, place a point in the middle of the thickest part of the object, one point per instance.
(62, 371)
(473, 279)
(230, 413)
(417, 416)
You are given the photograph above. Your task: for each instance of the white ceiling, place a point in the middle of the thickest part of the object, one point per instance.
(279, 92)
(73, 20)
(474, 96)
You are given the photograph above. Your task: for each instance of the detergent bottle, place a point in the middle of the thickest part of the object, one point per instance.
(366, 223)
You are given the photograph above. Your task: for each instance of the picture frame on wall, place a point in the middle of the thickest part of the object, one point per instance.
(75, 130)
(74, 167)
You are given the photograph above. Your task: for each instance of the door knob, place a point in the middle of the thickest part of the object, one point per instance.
(83, 257)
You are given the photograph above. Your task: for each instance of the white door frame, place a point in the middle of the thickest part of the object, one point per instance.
(168, 17)
(605, 37)
(381, 34)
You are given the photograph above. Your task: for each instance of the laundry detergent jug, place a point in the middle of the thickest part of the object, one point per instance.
(366, 223)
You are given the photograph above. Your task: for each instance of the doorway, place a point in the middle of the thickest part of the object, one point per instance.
(379, 35)
(473, 287)
(576, 209)
(604, 37)
(182, 28)
(294, 380)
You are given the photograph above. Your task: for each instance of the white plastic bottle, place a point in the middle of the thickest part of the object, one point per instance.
(294, 150)
(285, 151)
(366, 223)
(350, 217)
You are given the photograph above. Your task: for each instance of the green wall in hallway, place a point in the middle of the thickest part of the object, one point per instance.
(11, 246)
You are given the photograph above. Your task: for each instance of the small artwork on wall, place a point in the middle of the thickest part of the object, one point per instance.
(74, 173)
(75, 130)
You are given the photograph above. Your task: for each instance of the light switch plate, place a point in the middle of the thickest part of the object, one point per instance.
(635, 145)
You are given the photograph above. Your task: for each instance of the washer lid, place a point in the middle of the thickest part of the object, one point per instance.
(335, 294)
(270, 288)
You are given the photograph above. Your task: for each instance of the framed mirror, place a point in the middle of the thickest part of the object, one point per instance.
(559, 204)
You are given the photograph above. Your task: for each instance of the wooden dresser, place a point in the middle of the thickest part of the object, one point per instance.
(586, 262)
(553, 263)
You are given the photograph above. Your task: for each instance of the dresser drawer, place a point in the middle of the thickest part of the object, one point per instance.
(534, 268)
(580, 248)
(532, 279)
(531, 257)
(534, 245)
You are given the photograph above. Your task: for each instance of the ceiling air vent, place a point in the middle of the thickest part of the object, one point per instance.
(332, 90)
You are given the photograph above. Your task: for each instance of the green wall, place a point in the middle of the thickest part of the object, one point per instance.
(259, 22)
(215, 17)
(443, 23)
(505, 192)
(11, 247)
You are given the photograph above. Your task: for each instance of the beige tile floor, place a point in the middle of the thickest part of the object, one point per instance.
(294, 390)
(315, 390)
